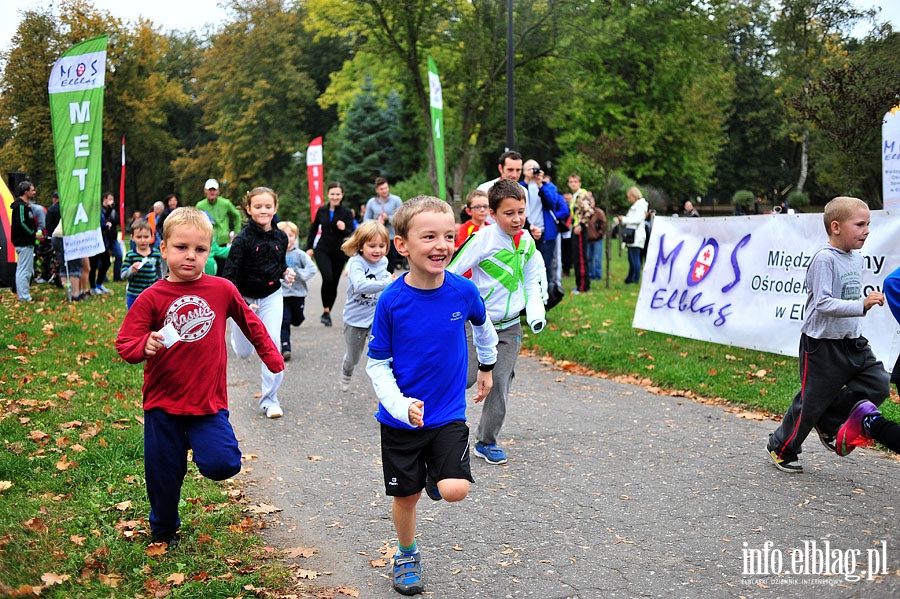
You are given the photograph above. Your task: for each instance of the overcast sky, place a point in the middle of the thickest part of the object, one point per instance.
(194, 14)
(168, 14)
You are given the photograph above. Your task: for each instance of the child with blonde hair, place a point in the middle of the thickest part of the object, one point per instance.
(294, 295)
(173, 325)
(838, 368)
(368, 276)
(417, 362)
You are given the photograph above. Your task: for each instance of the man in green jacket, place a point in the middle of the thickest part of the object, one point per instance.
(225, 217)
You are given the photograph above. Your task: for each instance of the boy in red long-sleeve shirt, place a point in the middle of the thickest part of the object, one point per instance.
(178, 322)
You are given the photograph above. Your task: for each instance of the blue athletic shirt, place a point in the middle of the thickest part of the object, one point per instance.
(424, 332)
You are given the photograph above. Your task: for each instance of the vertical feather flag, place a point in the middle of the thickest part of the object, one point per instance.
(315, 176)
(437, 126)
(76, 113)
(122, 194)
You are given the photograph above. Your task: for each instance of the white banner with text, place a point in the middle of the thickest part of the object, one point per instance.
(740, 280)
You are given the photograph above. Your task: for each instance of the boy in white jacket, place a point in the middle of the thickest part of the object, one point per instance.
(510, 275)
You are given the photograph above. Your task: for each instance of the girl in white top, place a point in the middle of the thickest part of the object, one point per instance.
(368, 277)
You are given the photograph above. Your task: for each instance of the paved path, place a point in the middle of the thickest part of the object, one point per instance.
(610, 491)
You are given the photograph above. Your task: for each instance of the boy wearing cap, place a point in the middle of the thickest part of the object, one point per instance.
(225, 217)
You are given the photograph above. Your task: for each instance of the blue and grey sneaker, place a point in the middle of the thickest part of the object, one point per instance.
(408, 573)
(490, 452)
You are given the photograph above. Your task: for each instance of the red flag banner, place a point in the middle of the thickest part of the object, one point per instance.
(315, 176)
(122, 194)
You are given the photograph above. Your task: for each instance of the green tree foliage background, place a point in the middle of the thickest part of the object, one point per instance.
(689, 98)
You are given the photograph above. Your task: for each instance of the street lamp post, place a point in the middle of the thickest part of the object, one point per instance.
(510, 97)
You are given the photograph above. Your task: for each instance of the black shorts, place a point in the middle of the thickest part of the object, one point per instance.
(406, 453)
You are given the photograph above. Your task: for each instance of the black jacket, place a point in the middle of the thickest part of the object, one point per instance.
(111, 215)
(256, 260)
(23, 224)
(332, 237)
(53, 218)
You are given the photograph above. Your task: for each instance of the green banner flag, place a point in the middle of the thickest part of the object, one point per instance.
(437, 126)
(76, 114)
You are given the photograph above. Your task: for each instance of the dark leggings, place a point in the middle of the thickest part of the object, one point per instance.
(580, 260)
(330, 266)
(99, 268)
(886, 432)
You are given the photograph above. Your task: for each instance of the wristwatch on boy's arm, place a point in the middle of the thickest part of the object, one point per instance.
(486, 367)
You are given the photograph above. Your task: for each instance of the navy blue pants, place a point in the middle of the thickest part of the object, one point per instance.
(167, 439)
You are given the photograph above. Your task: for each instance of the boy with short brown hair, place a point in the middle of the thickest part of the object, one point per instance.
(420, 323)
(837, 366)
(510, 275)
(178, 322)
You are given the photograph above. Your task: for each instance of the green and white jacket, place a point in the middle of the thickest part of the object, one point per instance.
(510, 275)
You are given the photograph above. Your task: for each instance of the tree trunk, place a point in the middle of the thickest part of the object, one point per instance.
(804, 161)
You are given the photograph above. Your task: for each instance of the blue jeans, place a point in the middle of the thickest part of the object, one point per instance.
(595, 260)
(634, 265)
(115, 250)
(548, 252)
(167, 439)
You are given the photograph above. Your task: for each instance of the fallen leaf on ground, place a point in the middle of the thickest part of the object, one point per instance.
(154, 549)
(300, 551)
(52, 578)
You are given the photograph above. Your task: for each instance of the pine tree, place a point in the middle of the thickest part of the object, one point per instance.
(365, 146)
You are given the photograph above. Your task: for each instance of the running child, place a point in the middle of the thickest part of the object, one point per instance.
(294, 295)
(177, 323)
(477, 208)
(368, 276)
(510, 275)
(865, 423)
(142, 266)
(256, 264)
(837, 366)
(417, 362)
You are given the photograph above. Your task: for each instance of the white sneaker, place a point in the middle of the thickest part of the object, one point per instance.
(345, 382)
(274, 412)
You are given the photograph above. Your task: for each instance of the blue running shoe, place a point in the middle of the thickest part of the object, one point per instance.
(431, 488)
(490, 452)
(408, 574)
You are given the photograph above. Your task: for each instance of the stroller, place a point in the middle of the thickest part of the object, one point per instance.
(49, 262)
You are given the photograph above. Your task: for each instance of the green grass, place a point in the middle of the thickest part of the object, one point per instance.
(70, 420)
(593, 331)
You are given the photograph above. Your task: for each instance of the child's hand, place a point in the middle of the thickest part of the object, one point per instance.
(874, 298)
(483, 384)
(289, 276)
(154, 344)
(341, 225)
(253, 307)
(417, 413)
